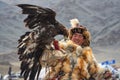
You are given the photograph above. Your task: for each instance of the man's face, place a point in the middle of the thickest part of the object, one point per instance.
(77, 38)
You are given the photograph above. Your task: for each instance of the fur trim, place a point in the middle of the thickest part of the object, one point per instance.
(87, 38)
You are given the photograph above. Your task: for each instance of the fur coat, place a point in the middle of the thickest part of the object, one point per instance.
(72, 62)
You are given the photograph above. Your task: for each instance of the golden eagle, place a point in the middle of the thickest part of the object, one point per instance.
(43, 28)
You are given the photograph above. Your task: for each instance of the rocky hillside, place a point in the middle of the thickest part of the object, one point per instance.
(102, 18)
(11, 27)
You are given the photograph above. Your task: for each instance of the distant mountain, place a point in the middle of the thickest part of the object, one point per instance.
(46, 3)
(102, 18)
(11, 27)
(2, 4)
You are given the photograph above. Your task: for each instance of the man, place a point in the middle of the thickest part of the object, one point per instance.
(78, 61)
(78, 37)
(79, 34)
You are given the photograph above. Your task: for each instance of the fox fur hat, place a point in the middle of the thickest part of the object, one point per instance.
(79, 29)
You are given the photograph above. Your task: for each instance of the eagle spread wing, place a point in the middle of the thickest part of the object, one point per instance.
(44, 27)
